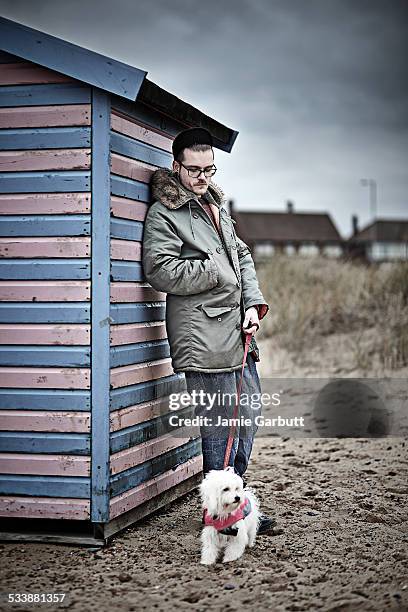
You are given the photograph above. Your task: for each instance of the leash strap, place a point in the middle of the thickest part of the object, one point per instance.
(235, 414)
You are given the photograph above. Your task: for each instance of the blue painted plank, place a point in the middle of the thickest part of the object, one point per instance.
(77, 62)
(45, 312)
(135, 476)
(126, 271)
(47, 443)
(44, 182)
(45, 138)
(45, 356)
(135, 149)
(138, 312)
(45, 486)
(126, 229)
(129, 188)
(37, 95)
(137, 434)
(45, 399)
(45, 225)
(138, 352)
(149, 116)
(100, 329)
(146, 391)
(40, 269)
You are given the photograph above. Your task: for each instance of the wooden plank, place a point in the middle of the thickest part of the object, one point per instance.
(153, 488)
(101, 113)
(45, 378)
(49, 312)
(126, 271)
(126, 208)
(131, 353)
(130, 168)
(46, 116)
(137, 313)
(38, 269)
(137, 332)
(43, 399)
(25, 182)
(45, 291)
(50, 246)
(45, 138)
(135, 292)
(44, 507)
(125, 249)
(140, 372)
(139, 150)
(134, 129)
(23, 73)
(146, 391)
(45, 465)
(126, 229)
(49, 486)
(33, 95)
(138, 413)
(121, 186)
(45, 225)
(45, 420)
(45, 203)
(45, 159)
(44, 334)
(128, 458)
(50, 356)
(45, 443)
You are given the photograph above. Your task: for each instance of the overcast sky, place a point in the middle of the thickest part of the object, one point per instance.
(318, 89)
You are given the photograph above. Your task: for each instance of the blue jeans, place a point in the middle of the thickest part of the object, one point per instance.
(214, 437)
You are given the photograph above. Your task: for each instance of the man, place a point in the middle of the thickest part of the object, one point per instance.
(191, 252)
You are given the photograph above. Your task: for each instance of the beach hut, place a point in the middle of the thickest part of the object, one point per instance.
(86, 443)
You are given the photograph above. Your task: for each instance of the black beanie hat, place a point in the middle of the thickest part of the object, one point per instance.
(186, 138)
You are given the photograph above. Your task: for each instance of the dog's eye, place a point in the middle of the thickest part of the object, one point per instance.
(226, 489)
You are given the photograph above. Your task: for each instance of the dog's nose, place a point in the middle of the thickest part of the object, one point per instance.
(237, 498)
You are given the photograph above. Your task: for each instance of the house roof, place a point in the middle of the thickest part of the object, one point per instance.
(286, 227)
(384, 230)
(106, 73)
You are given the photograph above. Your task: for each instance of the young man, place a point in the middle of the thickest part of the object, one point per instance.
(191, 252)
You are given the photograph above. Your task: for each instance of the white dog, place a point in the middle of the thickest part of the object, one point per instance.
(231, 516)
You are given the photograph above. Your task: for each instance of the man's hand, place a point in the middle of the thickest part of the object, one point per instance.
(251, 318)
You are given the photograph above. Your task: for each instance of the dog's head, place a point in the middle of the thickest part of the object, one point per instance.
(221, 491)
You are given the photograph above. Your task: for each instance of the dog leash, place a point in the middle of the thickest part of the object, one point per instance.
(235, 413)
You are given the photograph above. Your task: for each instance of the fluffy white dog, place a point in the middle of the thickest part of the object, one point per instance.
(231, 516)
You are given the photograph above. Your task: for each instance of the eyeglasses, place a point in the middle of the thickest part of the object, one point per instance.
(196, 172)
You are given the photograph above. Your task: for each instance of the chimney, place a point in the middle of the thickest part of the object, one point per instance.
(290, 206)
(354, 222)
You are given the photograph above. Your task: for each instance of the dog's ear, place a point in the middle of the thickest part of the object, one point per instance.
(209, 496)
(229, 468)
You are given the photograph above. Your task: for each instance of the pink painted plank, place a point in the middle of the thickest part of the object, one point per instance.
(131, 168)
(57, 115)
(50, 246)
(151, 488)
(44, 465)
(45, 507)
(45, 291)
(72, 334)
(45, 203)
(135, 292)
(128, 209)
(45, 420)
(45, 378)
(130, 250)
(137, 332)
(136, 455)
(27, 72)
(138, 413)
(139, 372)
(134, 129)
(45, 159)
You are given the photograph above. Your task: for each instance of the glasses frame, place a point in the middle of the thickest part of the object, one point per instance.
(201, 170)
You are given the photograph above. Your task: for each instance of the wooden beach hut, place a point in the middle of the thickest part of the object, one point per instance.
(86, 446)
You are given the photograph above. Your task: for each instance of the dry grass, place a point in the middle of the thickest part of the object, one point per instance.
(314, 297)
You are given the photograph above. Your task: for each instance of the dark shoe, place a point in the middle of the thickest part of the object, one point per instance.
(266, 524)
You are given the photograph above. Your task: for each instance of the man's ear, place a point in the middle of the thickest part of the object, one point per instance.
(176, 166)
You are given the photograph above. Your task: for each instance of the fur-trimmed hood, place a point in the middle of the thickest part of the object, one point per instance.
(167, 189)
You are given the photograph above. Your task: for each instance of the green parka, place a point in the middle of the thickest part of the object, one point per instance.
(209, 282)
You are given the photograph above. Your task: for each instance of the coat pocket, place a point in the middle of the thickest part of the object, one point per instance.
(216, 311)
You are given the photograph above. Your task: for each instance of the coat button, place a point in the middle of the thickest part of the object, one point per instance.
(195, 215)
(238, 285)
(238, 325)
(219, 249)
(219, 318)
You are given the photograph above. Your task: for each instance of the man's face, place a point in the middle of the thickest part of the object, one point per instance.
(194, 159)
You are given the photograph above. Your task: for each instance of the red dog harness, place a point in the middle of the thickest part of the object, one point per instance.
(222, 524)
